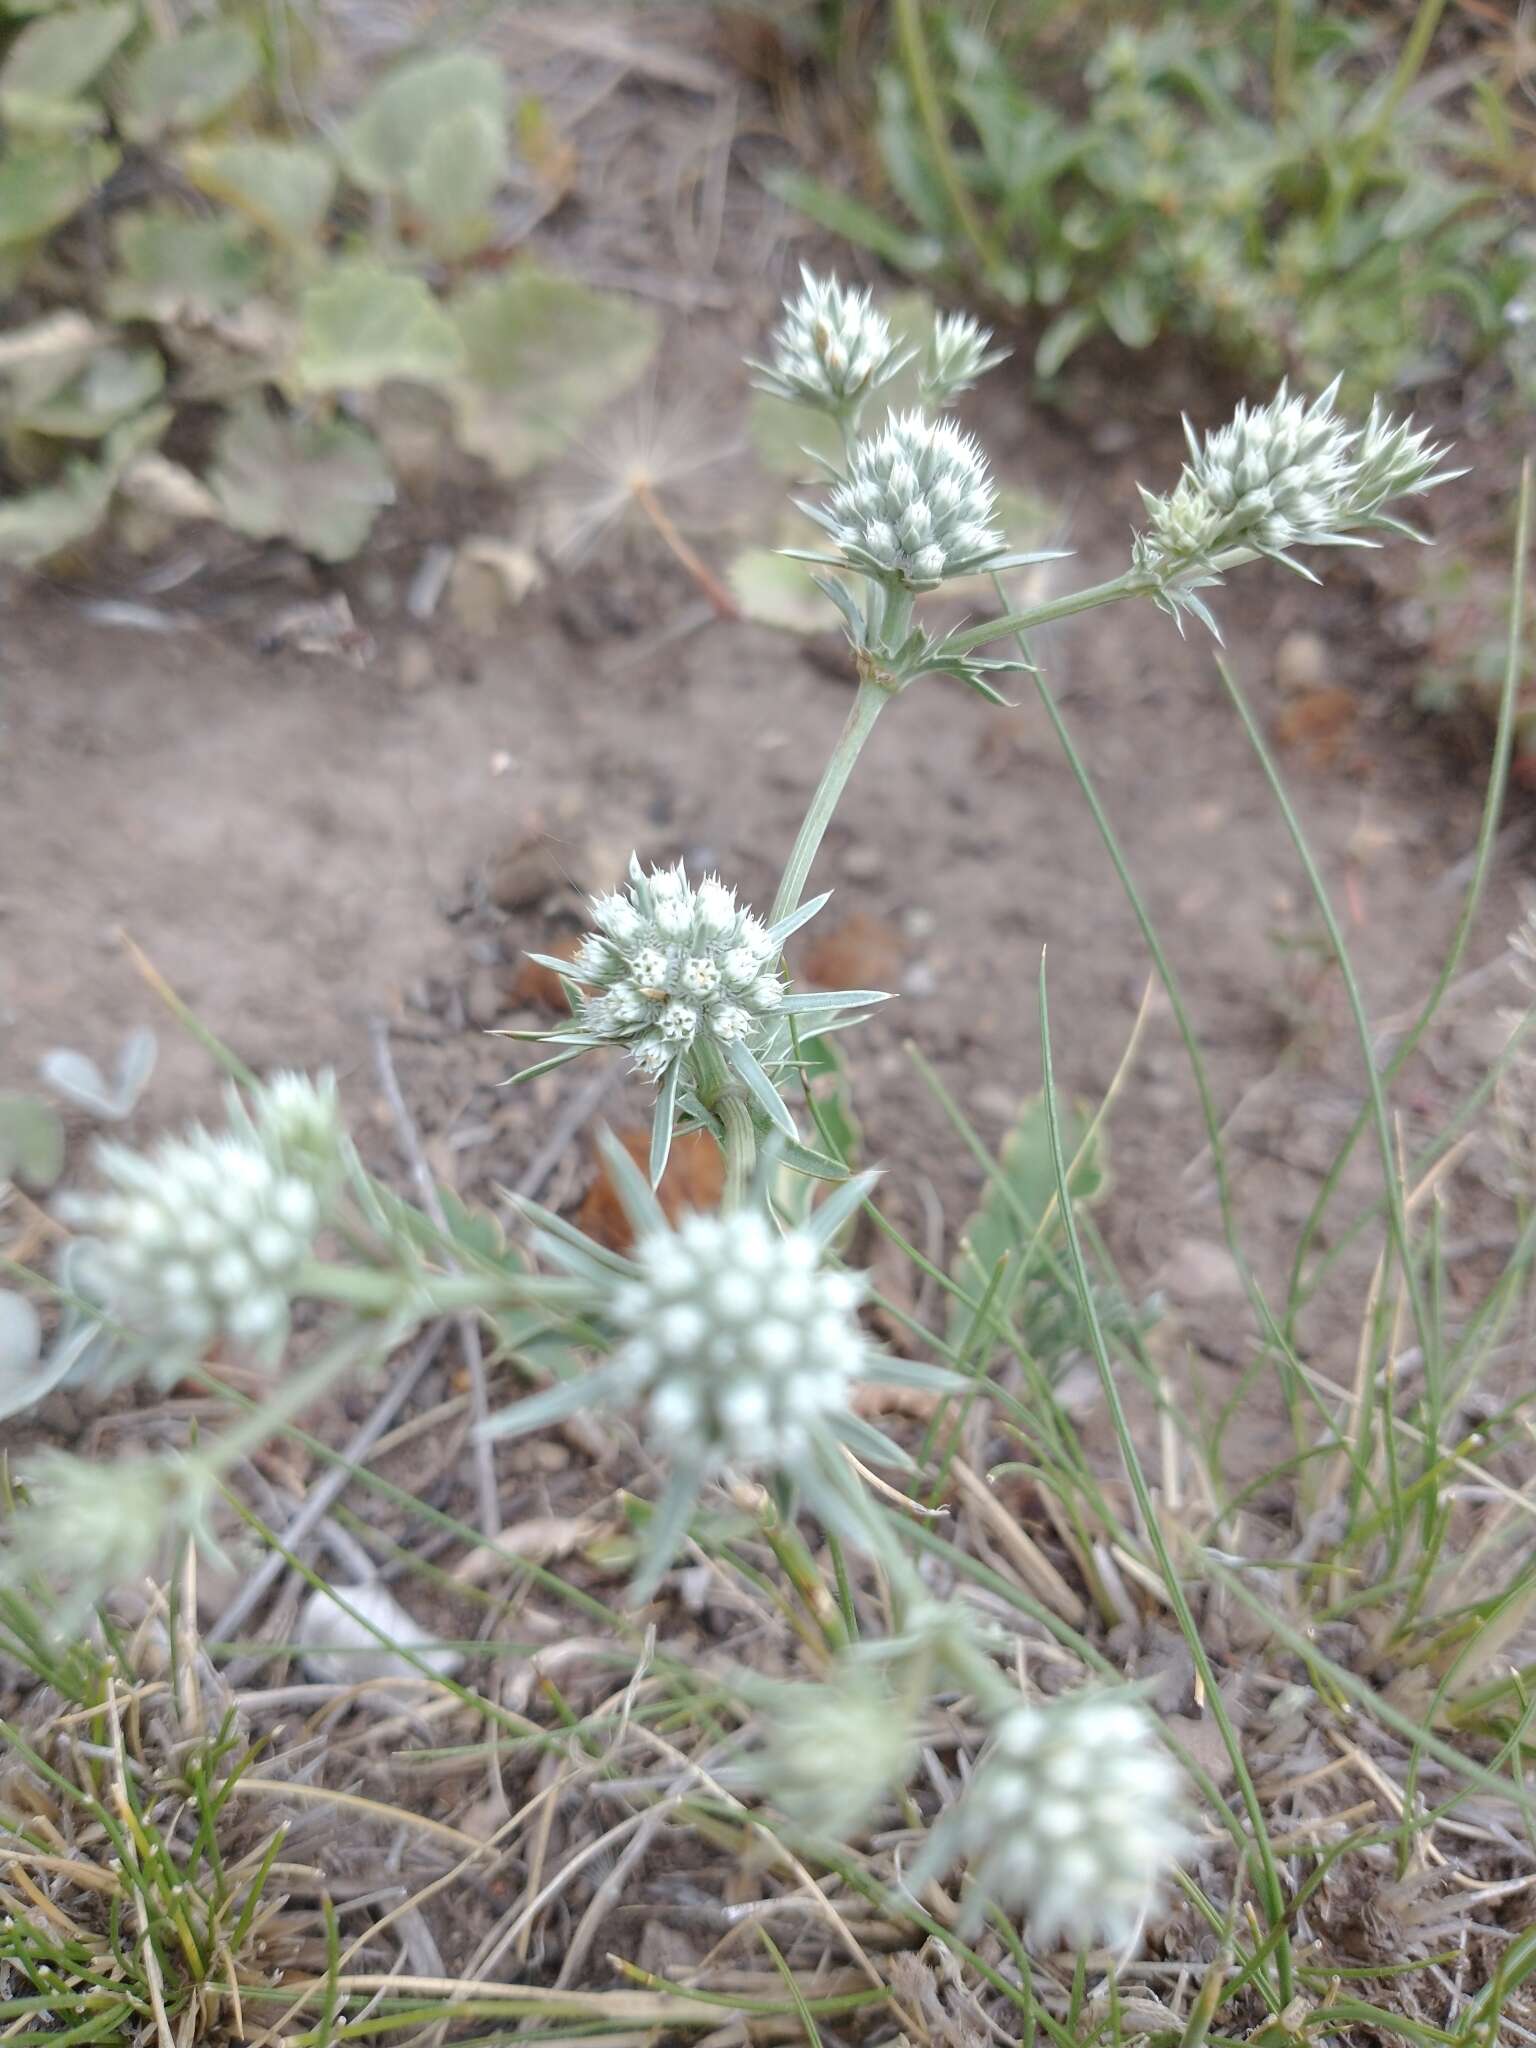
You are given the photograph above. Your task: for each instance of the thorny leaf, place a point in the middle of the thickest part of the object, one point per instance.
(364, 325)
(318, 483)
(544, 356)
(183, 82)
(283, 188)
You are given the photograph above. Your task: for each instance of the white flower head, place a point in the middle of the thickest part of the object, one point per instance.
(1287, 474)
(957, 354)
(737, 1341)
(683, 978)
(199, 1238)
(1071, 1822)
(734, 1341)
(831, 349)
(88, 1526)
(832, 1753)
(916, 504)
(297, 1121)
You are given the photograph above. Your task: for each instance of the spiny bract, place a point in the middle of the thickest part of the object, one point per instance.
(957, 354)
(1071, 1822)
(915, 505)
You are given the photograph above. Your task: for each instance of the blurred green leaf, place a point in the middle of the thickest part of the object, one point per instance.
(364, 325)
(788, 439)
(318, 483)
(173, 265)
(775, 591)
(43, 184)
(855, 222)
(1013, 1206)
(53, 60)
(188, 79)
(21, 1344)
(38, 524)
(283, 188)
(544, 356)
(31, 1140)
(461, 166)
(383, 143)
(110, 387)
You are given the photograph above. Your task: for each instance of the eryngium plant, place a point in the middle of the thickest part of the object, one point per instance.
(733, 1340)
(691, 986)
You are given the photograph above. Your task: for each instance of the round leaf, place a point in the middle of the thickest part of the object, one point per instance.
(53, 60)
(113, 385)
(545, 355)
(173, 266)
(283, 188)
(365, 325)
(385, 139)
(461, 166)
(42, 186)
(317, 483)
(185, 81)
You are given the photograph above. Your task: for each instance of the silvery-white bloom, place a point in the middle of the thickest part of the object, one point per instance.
(831, 349)
(957, 354)
(1071, 1822)
(689, 983)
(296, 1120)
(915, 506)
(87, 1526)
(831, 1753)
(1278, 476)
(733, 1340)
(200, 1237)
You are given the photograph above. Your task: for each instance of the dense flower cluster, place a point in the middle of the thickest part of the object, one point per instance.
(671, 963)
(831, 350)
(1071, 1821)
(736, 1341)
(200, 1237)
(1278, 476)
(957, 354)
(915, 505)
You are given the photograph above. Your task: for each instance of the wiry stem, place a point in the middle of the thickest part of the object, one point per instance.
(871, 700)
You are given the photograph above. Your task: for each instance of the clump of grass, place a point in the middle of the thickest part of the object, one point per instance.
(144, 1901)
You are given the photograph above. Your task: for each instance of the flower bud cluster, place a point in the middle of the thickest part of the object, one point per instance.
(737, 1341)
(671, 964)
(1279, 475)
(833, 1752)
(916, 504)
(957, 354)
(88, 1526)
(831, 350)
(204, 1235)
(1071, 1821)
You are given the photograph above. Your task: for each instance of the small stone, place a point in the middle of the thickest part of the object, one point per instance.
(414, 663)
(1202, 1270)
(1302, 664)
(863, 863)
(483, 998)
(337, 1650)
(490, 578)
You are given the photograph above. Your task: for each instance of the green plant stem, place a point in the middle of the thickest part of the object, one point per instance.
(1493, 805)
(376, 1292)
(872, 698)
(1268, 1872)
(930, 112)
(740, 1150)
